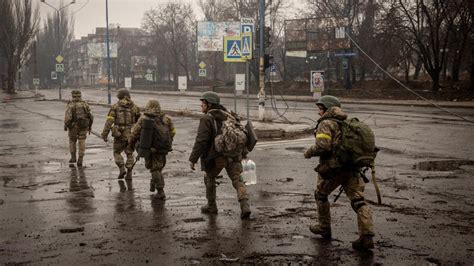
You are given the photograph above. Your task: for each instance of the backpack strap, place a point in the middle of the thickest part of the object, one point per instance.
(214, 122)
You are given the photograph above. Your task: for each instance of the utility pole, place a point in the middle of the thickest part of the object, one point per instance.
(108, 50)
(261, 80)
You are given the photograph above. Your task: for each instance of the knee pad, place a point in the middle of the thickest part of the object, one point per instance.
(320, 197)
(356, 204)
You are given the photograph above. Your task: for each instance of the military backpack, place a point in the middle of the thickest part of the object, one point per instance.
(357, 144)
(155, 136)
(80, 115)
(231, 140)
(124, 116)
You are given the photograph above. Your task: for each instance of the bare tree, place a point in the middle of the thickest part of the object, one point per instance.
(54, 39)
(428, 24)
(18, 25)
(172, 26)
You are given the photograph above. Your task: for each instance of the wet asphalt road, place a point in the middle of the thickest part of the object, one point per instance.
(54, 214)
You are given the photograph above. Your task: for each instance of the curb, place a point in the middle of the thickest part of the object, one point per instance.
(262, 134)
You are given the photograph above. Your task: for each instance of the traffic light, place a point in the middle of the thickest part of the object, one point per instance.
(267, 60)
(256, 37)
(267, 36)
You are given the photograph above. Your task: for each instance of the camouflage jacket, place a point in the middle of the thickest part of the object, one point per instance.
(118, 119)
(72, 108)
(327, 136)
(204, 143)
(137, 128)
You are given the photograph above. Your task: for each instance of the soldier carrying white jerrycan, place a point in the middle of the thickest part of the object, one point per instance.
(345, 148)
(220, 143)
(78, 121)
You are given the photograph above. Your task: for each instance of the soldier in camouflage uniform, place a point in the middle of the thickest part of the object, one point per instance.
(120, 120)
(331, 174)
(211, 161)
(78, 121)
(157, 160)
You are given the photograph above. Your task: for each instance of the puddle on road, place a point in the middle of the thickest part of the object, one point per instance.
(12, 166)
(51, 167)
(296, 149)
(447, 165)
(8, 123)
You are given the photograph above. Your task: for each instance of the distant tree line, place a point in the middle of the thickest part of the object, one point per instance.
(405, 37)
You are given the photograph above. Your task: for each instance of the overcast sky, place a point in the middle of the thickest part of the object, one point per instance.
(90, 14)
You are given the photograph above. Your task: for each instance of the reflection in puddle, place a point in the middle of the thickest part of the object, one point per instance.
(51, 167)
(447, 165)
(11, 166)
(8, 123)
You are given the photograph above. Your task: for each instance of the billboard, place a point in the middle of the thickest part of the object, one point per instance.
(99, 50)
(316, 34)
(210, 34)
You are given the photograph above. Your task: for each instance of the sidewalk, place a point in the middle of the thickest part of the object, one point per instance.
(309, 98)
(264, 130)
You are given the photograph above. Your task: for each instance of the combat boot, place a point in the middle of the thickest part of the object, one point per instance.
(363, 243)
(210, 207)
(129, 174)
(160, 194)
(79, 161)
(323, 232)
(152, 185)
(244, 209)
(73, 158)
(122, 172)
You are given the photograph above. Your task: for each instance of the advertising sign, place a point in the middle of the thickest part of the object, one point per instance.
(239, 82)
(182, 83)
(210, 34)
(317, 83)
(99, 50)
(128, 83)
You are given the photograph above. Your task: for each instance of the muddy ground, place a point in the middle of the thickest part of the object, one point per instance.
(55, 214)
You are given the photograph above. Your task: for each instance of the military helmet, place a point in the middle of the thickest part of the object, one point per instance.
(76, 93)
(328, 101)
(153, 106)
(122, 93)
(211, 97)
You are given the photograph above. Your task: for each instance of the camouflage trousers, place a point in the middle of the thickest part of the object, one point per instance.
(155, 163)
(120, 146)
(77, 137)
(233, 167)
(353, 186)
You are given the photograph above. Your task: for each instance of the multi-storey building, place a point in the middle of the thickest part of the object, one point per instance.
(86, 64)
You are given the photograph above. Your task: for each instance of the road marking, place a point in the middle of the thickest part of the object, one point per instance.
(268, 144)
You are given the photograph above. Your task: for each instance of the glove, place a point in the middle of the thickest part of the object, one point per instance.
(65, 128)
(192, 166)
(307, 154)
(104, 137)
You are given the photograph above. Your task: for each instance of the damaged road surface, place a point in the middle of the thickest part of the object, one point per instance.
(55, 214)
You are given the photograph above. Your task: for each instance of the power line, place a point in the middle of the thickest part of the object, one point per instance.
(403, 85)
(79, 9)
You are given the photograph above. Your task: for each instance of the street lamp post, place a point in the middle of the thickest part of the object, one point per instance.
(59, 37)
(108, 50)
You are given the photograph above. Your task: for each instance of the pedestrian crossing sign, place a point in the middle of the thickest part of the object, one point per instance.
(233, 49)
(247, 45)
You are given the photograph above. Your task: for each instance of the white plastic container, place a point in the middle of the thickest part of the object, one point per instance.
(249, 173)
